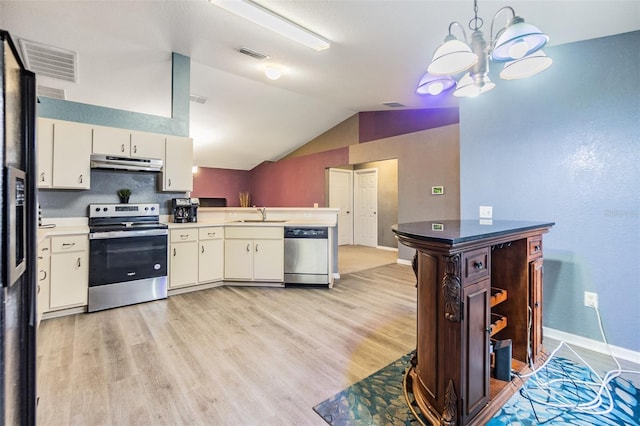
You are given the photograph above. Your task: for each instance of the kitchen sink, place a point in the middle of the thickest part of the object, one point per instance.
(259, 221)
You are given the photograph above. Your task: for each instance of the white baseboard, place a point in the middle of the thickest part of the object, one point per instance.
(387, 248)
(404, 262)
(594, 345)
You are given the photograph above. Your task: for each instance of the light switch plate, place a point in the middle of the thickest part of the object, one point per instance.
(486, 212)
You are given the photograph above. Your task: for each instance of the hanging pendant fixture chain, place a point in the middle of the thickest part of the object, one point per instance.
(476, 22)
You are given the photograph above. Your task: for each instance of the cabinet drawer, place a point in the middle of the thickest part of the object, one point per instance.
(44, 248)
(213, 233)
(69, 243)
(255, 232)
(179, 235)
(476, 265)
(535, 246)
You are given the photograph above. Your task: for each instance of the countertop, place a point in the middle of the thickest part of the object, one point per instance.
(460, 231)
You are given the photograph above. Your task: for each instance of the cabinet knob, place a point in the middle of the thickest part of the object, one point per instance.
(135, 149)
(68, 245)
(174, 252)
(42, 177)
(78, 263)
(256, 248)
(536, 248)
(169, 182)
(248, 249)
(477, 265)
(80, 179)
(202, 250)
(44, 276)
(122, 148)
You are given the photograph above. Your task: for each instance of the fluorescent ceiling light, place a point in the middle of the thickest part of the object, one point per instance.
(272, 21)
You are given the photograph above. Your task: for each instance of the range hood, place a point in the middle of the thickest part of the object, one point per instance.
(125, 163)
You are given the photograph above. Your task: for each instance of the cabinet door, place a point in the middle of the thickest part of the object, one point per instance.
(238, 259)
(211, 264)
(177, 175)
(69, 280)
(44, 271)
(535, 282)
(183, 264)
(71, 155)
(475, 347)
(45, 152)
(268, 263)
(111, 141)
(147, 145)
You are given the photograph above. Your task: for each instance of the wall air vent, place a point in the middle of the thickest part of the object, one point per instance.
(197, 99)
(394, 104)
(49, 61)
(51, 92)
(252, 53)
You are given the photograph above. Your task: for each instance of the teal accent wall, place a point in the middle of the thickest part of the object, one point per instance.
(564, 146)
(105, 183)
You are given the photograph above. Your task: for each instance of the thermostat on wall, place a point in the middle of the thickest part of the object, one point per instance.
(437, 190)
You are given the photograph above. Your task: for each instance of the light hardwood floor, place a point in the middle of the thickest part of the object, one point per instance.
(232, 355)
(224, 356)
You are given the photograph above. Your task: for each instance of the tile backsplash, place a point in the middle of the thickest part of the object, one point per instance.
(104, 185)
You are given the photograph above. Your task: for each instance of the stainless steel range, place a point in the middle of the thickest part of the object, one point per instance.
(127, 255)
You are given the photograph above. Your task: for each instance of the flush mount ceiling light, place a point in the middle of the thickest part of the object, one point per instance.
(272, 73)
(518, 44)
(274, 22)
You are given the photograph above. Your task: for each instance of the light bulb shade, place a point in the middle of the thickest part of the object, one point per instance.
(452, 57)
(518, 40)
(526, 67)
(434, 84)
(467, 87)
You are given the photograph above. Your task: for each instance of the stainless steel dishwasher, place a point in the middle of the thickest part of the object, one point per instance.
(306, 255)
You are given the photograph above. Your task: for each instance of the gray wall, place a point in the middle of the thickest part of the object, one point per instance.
(564, 146)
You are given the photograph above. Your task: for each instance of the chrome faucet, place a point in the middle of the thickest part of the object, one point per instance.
(263, 212)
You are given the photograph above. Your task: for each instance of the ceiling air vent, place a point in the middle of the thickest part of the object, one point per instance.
(197, 99)
(49, 61)
(393, 104)
(252, 53)
(51, 92)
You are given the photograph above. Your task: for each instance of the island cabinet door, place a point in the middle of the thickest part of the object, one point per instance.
(475, 347)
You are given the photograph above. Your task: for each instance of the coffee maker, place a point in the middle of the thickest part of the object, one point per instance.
(185, 210)
(181, 208)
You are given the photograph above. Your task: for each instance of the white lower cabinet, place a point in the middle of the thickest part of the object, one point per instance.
(44, 278)
(69, 285)
(254, 254)
(210, 254)
(183, 257)
(196, 256)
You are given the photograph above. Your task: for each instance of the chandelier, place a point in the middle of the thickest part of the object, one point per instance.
(465, 64)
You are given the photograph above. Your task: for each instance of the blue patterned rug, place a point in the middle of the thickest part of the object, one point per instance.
(379, 400)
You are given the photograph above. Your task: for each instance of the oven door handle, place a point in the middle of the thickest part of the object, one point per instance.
(127, 234)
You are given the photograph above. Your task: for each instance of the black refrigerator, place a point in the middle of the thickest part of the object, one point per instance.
(19, 235)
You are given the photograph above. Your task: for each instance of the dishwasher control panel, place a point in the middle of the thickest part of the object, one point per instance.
(315, 233)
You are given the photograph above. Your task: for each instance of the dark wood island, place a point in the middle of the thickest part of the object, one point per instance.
(479, 287)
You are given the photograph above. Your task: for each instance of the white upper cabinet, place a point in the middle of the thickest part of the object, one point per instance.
(127, 143)
(45, 152)
(177, 175)
(71, 155)
(147, 145)
(111, 141)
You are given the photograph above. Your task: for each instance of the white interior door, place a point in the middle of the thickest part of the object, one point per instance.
(366, 207)
(341, 197)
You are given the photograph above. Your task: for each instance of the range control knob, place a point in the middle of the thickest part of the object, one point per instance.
(104, 209)
(97, 209)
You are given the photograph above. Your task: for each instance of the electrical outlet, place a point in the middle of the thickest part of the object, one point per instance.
(486, 212)
(591, 300)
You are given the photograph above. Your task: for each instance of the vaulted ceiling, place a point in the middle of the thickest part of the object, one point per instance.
(379, 50)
